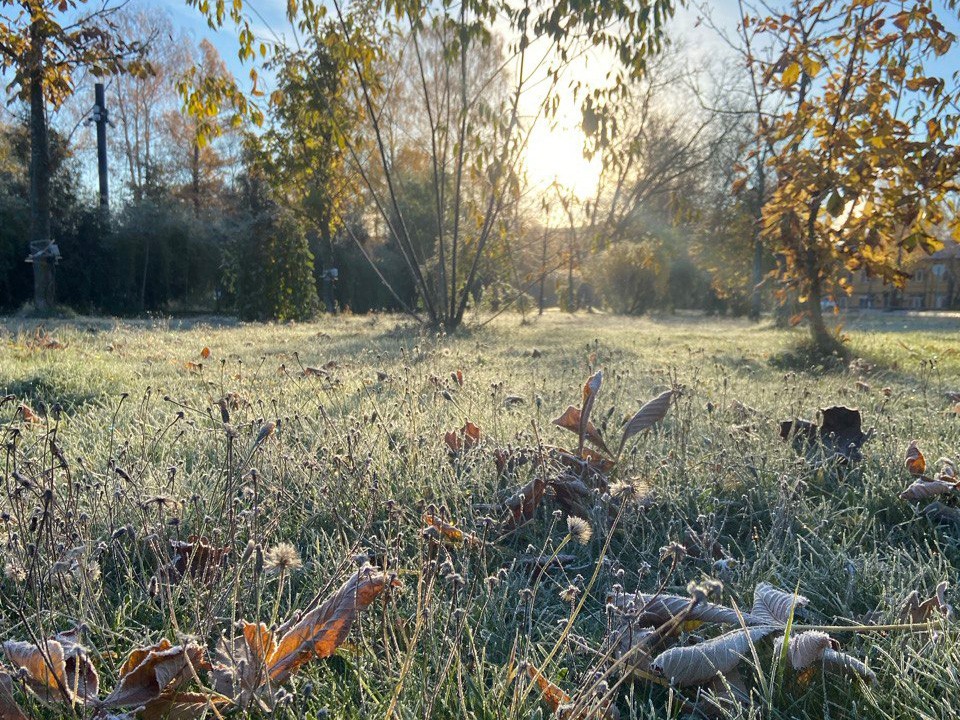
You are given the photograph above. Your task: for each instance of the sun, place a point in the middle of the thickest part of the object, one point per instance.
(555, 154)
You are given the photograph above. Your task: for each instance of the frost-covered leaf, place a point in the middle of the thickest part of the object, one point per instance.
(647, 416)
(772, 606)
(847, 664)
(696, 664)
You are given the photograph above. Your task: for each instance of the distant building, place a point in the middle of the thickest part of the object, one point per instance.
(934, 284)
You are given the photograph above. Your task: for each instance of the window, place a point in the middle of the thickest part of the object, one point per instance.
(916, 302)
(918, 276)
(938, 270)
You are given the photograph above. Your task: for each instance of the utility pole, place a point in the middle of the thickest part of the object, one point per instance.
(99, 117)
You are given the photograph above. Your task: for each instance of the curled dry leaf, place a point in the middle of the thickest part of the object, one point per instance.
(553, 696)
(647, 416)
(659, 609)
(44, 669)
(591, 389)
(924, 488)
(523, 505)
(466, 438)
(181, 706)
(915, 462)
(847, 664)
(28, 415)
(205, 353)
(939, 512)
(197, 558)
(570, 420)
(805, 648)
(573, 496)
(151, 672)
(321, 631)
(696, 664)
(912, 610)
(448, 531)
(772, 606)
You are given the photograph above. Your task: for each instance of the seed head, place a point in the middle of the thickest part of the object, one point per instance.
(579, 529)
(282, 557)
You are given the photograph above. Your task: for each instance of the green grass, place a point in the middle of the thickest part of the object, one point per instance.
(356, 459)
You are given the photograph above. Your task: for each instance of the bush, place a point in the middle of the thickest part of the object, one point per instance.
(630, 278)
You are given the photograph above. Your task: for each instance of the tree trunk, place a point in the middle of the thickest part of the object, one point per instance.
(43, 289)
(543, 273)
(757, 278)
(195, 172)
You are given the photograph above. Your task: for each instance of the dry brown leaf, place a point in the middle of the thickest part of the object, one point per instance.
(45, 671)
(522, 506)
(314, 372)
(9, 710)
(321, 631)
(939, 512)
(847, 664)
(181, 706)
(205, 353)
(82, 678)
(198, 559)
(573, 495)
(570, 420)
(151, 672)
(659, 609)
(912, 610)
(805, 648)
(696, 664)
(647, 416)
(193, 366)
(28, 415)
(772, 606)
(448, 531)
(915, 461)
(553, 696)
(466, 438)
(924, 488)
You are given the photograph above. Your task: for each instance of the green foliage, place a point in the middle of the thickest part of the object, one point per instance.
(275, 279)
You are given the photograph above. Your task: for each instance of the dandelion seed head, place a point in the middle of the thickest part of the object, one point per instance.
(579, 529)
(282, 557)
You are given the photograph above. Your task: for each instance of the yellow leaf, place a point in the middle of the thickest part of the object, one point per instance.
(791, 74)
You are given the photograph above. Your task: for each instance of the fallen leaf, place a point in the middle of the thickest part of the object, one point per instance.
(321, 631)
(522, 506)
(45, 671)
(847, 664)
(925, 488)
(464, 439)
(9, 710)
(181, 706)
(553, 696)
(205, 353)
(915, 461)
(912, 610)
(151, 672)
(696, 664)
(805, 648)
(28, 415)
(772, 606)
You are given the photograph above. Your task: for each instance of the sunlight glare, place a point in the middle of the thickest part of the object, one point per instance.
(556, 154)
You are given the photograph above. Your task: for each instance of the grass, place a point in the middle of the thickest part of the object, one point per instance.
(358, 456)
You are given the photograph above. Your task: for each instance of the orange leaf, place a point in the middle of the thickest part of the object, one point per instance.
(464, 439)
(46, 672)
(321, 631)
(205, 353)
(29, 416)
(570, 420)
(915, 461)
(553, 696)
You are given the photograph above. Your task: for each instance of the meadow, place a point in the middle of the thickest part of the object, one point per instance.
(406, 564)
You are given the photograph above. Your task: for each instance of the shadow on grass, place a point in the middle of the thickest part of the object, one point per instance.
(808, 357)
(40, 388)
